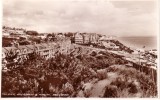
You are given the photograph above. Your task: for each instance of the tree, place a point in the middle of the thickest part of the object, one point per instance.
(50, 37)
(11, 56)
(22, 38)
(35, 33)
(34, 56)
(69, 34)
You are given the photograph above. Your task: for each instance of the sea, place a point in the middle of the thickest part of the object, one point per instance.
(146, 43)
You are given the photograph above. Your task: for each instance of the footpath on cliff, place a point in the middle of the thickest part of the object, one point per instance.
(99, 87)
(97, 59)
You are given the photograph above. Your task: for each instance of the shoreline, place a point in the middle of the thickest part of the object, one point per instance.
(138, 44)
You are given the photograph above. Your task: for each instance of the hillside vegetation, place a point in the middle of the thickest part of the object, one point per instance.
(68, 73)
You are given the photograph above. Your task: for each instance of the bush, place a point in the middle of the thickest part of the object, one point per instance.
(32, 33)
(132, 82)
(102, 74)
(93, 53)
(111, 91)
(55, 72)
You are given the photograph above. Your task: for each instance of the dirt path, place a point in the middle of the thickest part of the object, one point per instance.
(98, 88)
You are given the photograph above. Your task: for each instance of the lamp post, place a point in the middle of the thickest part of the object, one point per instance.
(139, 60)
(139, 56)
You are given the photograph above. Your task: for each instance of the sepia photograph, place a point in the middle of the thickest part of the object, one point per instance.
(79, 49)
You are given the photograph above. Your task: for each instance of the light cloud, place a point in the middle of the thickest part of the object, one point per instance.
(107, 17)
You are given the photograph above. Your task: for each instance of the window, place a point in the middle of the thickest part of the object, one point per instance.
(18, 51)
(25, 50)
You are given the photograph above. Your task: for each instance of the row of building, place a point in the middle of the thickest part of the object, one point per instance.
(8, 31)
(46, 50)
(79, 38)
(103, 40)
(85, 38)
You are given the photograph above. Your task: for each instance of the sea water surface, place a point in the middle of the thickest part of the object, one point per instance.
(146, 43)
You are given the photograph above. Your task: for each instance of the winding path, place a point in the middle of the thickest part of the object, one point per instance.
(98, 88)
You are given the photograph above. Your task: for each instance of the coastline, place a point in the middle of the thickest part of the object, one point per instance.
(146, 43)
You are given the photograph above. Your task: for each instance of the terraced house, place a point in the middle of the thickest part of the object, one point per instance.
(46, 50)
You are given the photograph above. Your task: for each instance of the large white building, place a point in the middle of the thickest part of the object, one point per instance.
(85, 38)
(78, 38)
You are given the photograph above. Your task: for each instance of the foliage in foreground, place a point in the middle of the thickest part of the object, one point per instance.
(65, 73)
(130, 83)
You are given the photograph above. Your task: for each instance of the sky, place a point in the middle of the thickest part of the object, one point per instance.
(109, 17)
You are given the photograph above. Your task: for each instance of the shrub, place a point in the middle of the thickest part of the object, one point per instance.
(133, 82)
(93, 53)
(111, 91)
(102, 74)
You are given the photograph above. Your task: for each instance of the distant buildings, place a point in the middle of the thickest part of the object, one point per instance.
(15, 31)
(86, 38)
(107, 38)
(94, 38)
(78, 38)
(107, 42)
(42, 36)
(153, 51)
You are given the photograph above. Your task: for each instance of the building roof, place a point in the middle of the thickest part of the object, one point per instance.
(4, 50)
(22, 47)
(30, 46)
(39, 46)
(107, 38)
(46, 45)
(10, 48)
